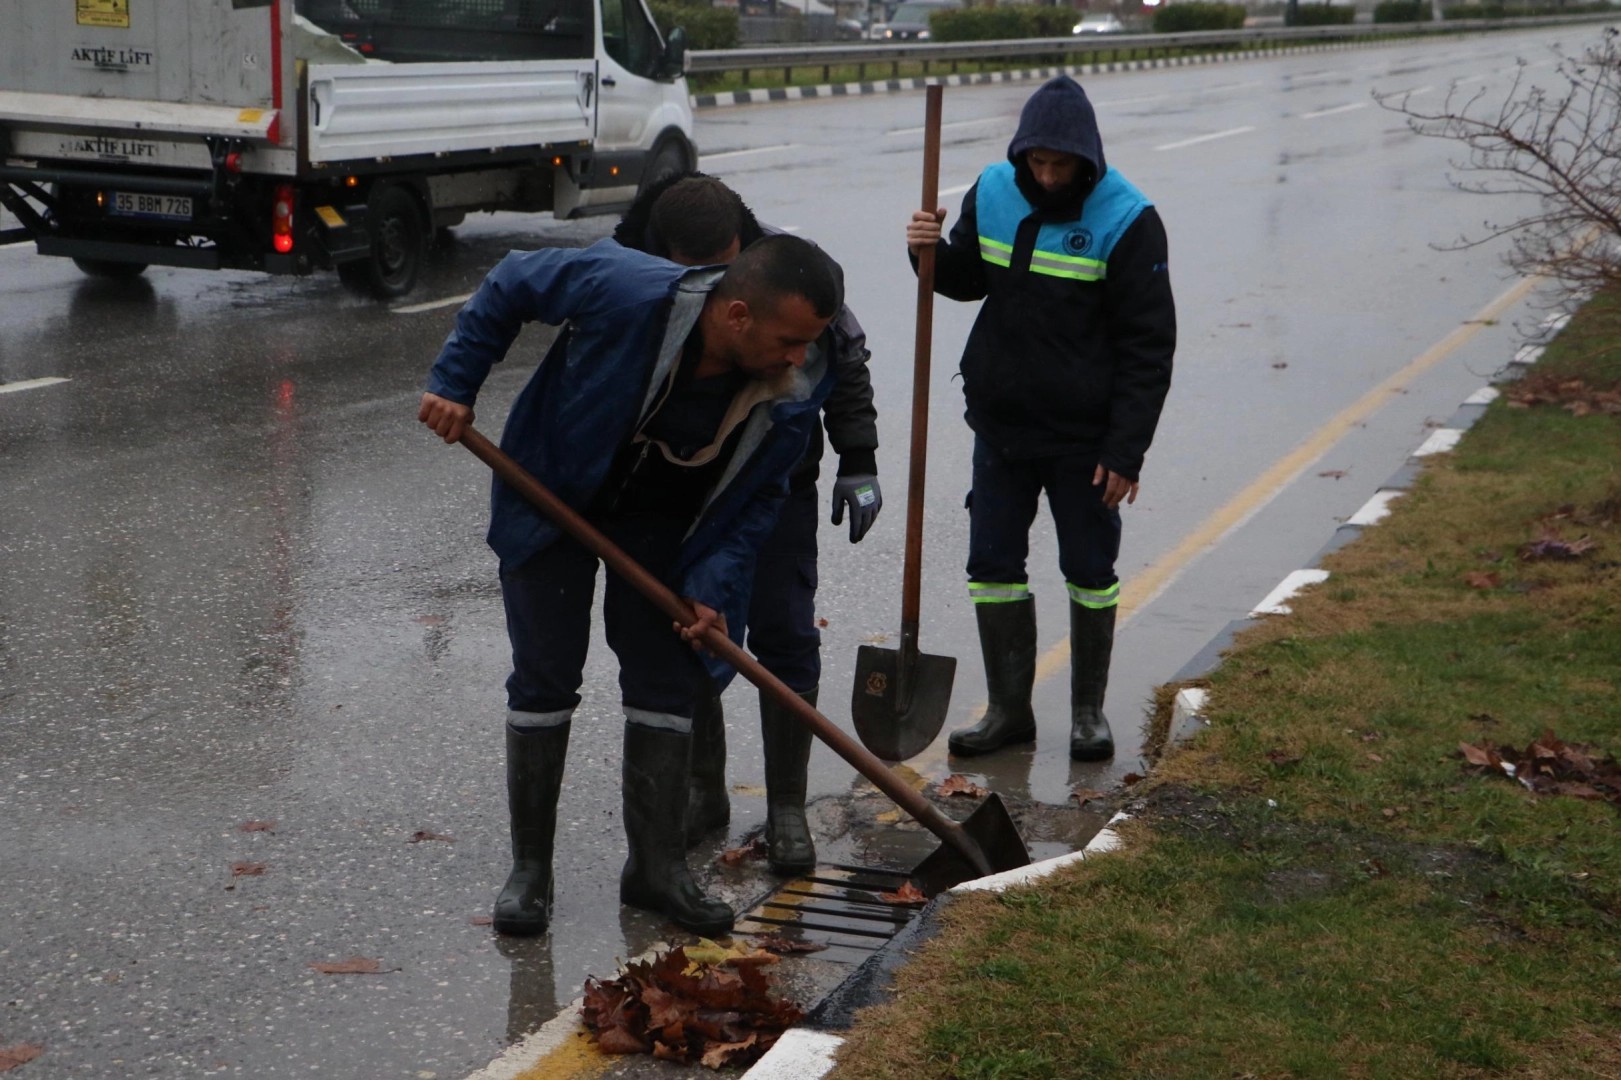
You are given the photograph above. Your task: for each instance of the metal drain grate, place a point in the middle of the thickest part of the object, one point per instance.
(836, 906)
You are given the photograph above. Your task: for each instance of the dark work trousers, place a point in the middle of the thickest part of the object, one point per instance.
(1002, 505)
(548, 603)
(782, 609)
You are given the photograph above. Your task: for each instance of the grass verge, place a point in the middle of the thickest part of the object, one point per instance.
(1318, 884)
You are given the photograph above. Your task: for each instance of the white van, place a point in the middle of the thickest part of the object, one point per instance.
(294, 135)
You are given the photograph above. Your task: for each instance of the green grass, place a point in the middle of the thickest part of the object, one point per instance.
(1318, 887)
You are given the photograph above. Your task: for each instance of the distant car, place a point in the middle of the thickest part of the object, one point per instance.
(911, 20)
(1099, 24)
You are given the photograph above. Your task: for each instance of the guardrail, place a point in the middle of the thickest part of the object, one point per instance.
(1089, 47)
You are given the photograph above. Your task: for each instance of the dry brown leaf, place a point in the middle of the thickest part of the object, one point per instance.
(754, 849)
(355, 965)
(1333, 474)
(18, 1054)
(256, 826)
(906, 894)
(958, 784)
(480, 920)
(1482, 579)
(1477, 755)
(247, 869)
(1085, 795)
(422, 834)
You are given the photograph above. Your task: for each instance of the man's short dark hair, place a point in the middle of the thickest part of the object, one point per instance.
(697, 218)
(783, 265)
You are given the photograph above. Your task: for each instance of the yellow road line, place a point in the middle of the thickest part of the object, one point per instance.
(1138, 592)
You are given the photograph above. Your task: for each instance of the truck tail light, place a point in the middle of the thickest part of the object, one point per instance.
(281, 219)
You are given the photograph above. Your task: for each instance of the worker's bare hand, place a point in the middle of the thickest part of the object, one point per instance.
(923, 231)
(708, 618)
(447, 418)
(1116, 487)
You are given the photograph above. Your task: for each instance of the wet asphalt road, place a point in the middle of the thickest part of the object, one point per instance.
(238, 583)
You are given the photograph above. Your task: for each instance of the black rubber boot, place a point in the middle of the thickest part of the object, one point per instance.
(1007, 641)
(534, 780)
(708, 807)
(1091, 641)
(656, 877)
(787, 756)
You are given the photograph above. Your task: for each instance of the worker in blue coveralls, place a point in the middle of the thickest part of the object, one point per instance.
(1064, 372)
(670, 413)
(696, 219)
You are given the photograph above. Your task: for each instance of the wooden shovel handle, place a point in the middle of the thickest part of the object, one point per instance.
(635, 575)
(912, 582)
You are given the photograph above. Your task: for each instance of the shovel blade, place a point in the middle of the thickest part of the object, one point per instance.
(991, 827)
(884, 725)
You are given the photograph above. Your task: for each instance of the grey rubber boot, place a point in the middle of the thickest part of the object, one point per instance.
(708, 806)
(534, 780)
(656, 877)
(1007, 641)
(791, 850)
(1091, 642)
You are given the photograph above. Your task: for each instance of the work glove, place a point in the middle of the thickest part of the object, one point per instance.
(860, 493)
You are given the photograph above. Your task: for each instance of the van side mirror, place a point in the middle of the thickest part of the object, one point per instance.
(674, 63)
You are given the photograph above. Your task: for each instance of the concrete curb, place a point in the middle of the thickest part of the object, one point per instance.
(889, 86)
(1188, 708)
(807, 1052)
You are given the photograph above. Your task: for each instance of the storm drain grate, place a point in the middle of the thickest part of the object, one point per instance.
(836, 906)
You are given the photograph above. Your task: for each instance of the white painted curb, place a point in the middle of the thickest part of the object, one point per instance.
(1274, 604)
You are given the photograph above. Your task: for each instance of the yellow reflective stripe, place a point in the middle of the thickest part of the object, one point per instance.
(1041, 253)
(1080, 269)
(997, 592)
(1095, 598)
(994, 251)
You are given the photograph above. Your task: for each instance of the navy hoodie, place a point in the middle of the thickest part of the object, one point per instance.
(1055, 365)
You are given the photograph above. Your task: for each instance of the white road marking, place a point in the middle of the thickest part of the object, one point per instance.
(29, 384)
(1335, 110)
(1205, 138)
(1441, 441)
(958, 190)
(1468, 79)
(707, 158)
(1484, 396)
(953, 124)
(430, 305)
(1276, 600)
(1375, 509)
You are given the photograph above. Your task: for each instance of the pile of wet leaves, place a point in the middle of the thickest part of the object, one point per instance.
(706, 1004)
(1576, 396)
(1550, 766)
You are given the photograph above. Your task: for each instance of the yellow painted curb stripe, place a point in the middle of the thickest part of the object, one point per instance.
(1143, 589)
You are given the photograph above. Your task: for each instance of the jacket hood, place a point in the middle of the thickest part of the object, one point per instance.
(1058, 117)
(635, 229)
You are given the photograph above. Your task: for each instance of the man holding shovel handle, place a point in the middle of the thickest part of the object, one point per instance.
(669, 413)
(1064, 373)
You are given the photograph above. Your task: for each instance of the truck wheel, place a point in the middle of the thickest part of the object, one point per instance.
(667, 161)
(398, 240)
(107, 268)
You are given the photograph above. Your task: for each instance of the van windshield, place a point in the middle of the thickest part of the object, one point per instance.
(914, 14)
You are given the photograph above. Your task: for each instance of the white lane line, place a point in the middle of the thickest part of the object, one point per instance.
(1414, 93)
(707, 158)
(1468, 79)
(958, 190)
(412, 309)
(1205, 138)
(1335, 110)
(29, 384)
(953, 124)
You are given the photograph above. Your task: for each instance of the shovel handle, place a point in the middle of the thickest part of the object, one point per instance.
(518, 478)
(912, 581)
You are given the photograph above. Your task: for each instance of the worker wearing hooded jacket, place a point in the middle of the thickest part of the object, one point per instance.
(695, 219)
(1064, 372)
(669, 413)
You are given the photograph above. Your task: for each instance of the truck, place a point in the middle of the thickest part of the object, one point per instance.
(290, 136)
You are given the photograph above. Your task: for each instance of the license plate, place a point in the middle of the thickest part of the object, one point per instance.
(167, 207)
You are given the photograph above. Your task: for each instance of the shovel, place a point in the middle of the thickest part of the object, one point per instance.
(900, 697)
(986, 843)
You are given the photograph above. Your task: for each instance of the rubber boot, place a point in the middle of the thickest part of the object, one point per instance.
(1007, 641)
(656, 877)
(534, 780)
(708, 807)
(787, 755)
(1091, 641)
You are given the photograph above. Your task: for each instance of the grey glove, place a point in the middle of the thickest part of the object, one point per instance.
(860, 493)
